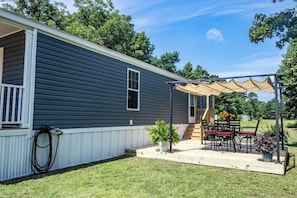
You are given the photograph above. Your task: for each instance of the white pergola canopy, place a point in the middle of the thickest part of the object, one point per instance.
(218, 87)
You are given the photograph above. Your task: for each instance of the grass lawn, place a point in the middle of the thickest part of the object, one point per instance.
(138, 177)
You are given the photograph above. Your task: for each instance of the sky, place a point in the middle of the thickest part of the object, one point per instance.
(213, 34)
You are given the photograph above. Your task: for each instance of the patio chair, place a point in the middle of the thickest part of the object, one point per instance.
(209, 132)
(248, 135)
(234, 126)
(226, 138)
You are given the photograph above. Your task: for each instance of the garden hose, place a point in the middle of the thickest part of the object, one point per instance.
(36, 166)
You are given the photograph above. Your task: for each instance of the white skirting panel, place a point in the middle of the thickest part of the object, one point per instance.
(76, 146)
(15, 155)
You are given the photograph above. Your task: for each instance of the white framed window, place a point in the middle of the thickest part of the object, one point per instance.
(133, 90)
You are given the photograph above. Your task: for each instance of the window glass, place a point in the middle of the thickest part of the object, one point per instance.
(133, 90)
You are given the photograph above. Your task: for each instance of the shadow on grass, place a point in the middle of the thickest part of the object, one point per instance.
(293, 144)
(291, 162)
(59, 171)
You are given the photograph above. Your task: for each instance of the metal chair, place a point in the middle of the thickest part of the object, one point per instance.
(225, 137)
(210, 133)
(248, 135)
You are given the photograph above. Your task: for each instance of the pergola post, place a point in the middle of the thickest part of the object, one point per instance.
(276, 118)
(171, 116)
(281, 116)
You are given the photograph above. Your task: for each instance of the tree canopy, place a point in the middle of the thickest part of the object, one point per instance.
(289, 79)
(282, 25)
(198, 73)
(167, 61)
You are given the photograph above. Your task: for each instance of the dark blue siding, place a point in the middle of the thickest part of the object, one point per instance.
(13, 66)
(76, 87)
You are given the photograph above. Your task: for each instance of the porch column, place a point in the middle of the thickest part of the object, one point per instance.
(1, 72)
(195, 108)
(207, 107)
(29, 78)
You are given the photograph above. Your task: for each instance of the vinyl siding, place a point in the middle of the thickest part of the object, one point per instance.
(78, 88)
(13, 66)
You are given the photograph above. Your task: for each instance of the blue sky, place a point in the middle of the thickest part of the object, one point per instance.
(210, 33)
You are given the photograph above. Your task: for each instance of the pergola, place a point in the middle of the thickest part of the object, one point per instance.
(216, 86)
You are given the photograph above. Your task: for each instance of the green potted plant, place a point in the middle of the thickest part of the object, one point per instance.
(265, 144)
(160, 135)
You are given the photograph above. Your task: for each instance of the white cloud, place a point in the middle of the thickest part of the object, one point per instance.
(214, 34)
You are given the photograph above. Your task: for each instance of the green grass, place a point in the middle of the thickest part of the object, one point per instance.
(292, 124)
(139, 177)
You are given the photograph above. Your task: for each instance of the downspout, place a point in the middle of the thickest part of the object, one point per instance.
(171, 116)
(276, 118)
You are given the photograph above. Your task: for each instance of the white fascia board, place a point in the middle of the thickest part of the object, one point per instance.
(61, 35)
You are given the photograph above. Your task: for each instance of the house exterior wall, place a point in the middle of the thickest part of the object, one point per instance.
(13, 65)
(79, 88)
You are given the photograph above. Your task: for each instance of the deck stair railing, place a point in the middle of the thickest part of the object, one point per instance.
(11, 98)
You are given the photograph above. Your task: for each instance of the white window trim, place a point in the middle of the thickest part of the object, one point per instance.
(138, 91)
(1, 62)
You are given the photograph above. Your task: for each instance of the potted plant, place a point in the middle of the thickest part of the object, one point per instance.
(265, 144)
(160, 135)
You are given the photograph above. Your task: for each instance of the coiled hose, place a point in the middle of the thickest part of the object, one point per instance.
(48, 131)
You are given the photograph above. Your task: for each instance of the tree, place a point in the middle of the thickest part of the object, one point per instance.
(230, 102)
(187, 71)
(269, 110)
(289, 79)
(252, 106)
(98, 21)
(282, 25)
(167, 61)
(197, 73)
(141, 48)
(52, 14)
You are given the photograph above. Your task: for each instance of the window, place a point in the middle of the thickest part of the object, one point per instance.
(133, 86)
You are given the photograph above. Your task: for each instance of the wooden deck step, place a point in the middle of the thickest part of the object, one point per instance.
(192, 132)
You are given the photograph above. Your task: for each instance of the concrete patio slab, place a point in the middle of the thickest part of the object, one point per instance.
(192, 151)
